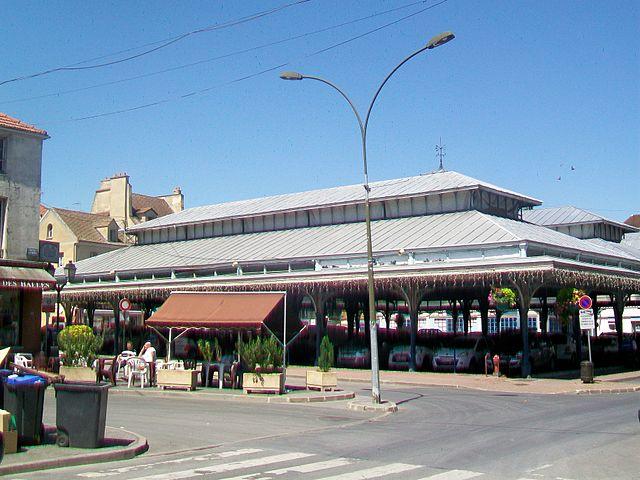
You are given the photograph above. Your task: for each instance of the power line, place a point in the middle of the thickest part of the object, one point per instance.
(262, 72)
(219, 57)
(231, 23)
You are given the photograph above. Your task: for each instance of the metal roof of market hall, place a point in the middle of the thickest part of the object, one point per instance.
(569, 215)
(430, 183)
(468, 230)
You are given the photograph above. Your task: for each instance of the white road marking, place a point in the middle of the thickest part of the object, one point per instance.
(453, 475)
(541, 467)
(147, 466)
(374, 472)
(226, 467)
(311, 467)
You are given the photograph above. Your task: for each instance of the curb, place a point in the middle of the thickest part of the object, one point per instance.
(346, 395)
(458, 386)
(596, 391)
(137, 447)
(387, 407)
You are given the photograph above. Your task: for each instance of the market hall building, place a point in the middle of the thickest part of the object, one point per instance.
(441, 236)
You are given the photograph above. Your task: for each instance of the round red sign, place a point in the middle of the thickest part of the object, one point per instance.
(125, 305)
(585, 302)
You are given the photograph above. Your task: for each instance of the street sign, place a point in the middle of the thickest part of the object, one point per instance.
(587, 321)
(125, 305)
(585, 302)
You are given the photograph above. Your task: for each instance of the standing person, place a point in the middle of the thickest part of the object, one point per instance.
(148, 354)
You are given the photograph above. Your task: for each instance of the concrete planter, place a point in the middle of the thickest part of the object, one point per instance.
(78, 374)
(186, 379)
(263, 383)
(317, 380)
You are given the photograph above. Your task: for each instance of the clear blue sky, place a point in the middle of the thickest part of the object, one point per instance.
(527, 90)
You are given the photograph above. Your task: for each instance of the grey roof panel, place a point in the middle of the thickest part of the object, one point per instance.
(470, 229)
(632, 240)
(568, 215)
(421, 184)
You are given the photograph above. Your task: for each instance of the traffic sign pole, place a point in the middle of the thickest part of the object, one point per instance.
(587, 320)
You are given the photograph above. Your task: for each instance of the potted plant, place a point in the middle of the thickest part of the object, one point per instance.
(80, 346)
(209, 351)
(502, 299)
(262, 358)
(322, 378)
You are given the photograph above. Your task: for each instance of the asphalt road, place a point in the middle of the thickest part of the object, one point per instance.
(443, 434)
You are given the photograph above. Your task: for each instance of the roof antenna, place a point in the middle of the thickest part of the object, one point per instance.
(440, 154)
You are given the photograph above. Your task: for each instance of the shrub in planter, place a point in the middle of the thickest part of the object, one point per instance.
(79, 344)
(262, 356)
(80, 347)
(322, 378)
(325, 359)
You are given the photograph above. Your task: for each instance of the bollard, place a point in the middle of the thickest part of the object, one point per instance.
(496, 365)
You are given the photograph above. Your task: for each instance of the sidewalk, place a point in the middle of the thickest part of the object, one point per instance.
(615, 383)
(119, 445)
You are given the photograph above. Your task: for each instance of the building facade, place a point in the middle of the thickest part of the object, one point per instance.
(22, 276)
(115, 208)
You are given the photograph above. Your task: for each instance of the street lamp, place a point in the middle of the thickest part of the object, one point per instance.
(69, 276)
(373, 337)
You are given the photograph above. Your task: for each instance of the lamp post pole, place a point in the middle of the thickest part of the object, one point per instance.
(61, 282)
(373, 337)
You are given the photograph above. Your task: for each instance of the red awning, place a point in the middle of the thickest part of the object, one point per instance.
(25, 278)
(216, 310)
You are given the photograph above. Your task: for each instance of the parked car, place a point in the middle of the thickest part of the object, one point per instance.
(466, 352)
(604, 349)
(400, 354)
(542, 354)
(565, 349)
(354, 357)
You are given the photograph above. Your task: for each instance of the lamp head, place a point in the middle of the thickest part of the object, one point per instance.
(441, 39)
(70, 271)
(291, 76)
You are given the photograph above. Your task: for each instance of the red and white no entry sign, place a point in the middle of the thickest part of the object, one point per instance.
(125, 305)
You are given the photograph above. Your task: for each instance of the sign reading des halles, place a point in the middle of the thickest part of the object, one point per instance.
(26, 284)
(587, 321)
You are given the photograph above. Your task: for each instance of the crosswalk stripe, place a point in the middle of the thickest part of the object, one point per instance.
(453, 475)
(374, 472)
(311, 467)
(203, 457)
(226, 467)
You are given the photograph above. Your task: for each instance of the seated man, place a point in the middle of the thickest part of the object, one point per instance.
(148, 354)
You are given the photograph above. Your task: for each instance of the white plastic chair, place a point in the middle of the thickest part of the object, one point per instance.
(137, 368)
(175, 365)
(23, 360)
(122, 370)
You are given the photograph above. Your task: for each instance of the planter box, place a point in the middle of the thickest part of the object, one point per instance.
(186, 379)
(263, 383)
(317, 380)
(78, 374)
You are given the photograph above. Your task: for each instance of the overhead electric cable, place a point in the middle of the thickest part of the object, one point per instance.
(205, 90)
(219, 57)
(169, 42)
